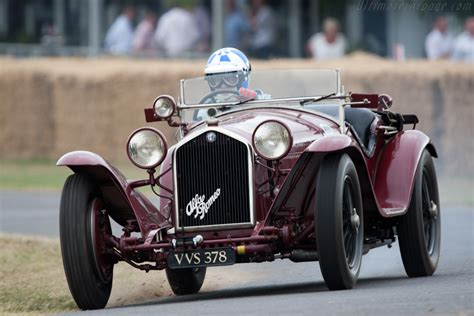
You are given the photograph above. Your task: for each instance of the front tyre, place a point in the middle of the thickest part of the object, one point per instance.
(419, 230)
(186, 281)
(339, 222)
(83, 222)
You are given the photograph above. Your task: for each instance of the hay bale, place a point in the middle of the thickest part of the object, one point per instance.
(457, 117)
(27, 127)
(109, 105)
(51, 106)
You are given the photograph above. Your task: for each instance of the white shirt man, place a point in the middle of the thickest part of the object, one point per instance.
(464, 47)
(464, 44)
(176, 32)
(322, 49)
(118, 40)
(330, 44)
(438, 45)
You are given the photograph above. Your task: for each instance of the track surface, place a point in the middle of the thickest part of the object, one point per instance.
(284, 287)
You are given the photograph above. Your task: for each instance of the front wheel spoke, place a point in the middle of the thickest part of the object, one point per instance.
(351, 206)
(348, 244)
(427, 225)
(347, 226)
(346, 216)
(350, 250)
(346, 219)
(347, 238)
(428, 237)
(425, 204)
(426, 221)
(348, 256)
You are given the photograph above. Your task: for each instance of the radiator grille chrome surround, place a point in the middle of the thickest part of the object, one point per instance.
(245, 214)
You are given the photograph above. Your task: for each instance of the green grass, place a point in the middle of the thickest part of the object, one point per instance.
(31, 277)
(32, 174)
(43, 174)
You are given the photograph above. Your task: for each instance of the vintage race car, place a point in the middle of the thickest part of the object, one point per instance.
(299, 171)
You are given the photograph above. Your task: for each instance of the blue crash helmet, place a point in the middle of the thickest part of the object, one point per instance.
(227, 68)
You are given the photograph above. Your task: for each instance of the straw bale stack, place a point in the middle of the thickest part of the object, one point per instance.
(26, 123)
(456, 122)
(51, 106)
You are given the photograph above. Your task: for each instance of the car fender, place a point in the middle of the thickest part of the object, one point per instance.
(330, 143)
(122, 200)
(294, 189)
(396, 171)
(342, 143)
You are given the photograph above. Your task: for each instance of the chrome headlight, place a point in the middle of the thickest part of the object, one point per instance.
(146, 148)
(164, 106)
(272, 140)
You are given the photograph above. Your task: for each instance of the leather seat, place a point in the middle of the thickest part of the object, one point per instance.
(360, 121)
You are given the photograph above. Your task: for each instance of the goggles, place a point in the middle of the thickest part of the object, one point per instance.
(228, 79)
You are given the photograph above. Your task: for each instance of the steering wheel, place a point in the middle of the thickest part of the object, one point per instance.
(211, 97)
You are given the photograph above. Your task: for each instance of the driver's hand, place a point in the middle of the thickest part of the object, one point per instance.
(247, 94)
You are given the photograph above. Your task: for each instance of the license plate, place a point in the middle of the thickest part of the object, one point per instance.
(201, 258)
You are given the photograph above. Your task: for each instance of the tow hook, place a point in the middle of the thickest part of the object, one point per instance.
(194, 242)
(198, 239)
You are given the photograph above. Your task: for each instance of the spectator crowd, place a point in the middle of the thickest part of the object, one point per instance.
(251, 26)
(186, 28)
(440, 44)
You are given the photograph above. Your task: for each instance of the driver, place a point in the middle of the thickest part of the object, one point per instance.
(228, 70)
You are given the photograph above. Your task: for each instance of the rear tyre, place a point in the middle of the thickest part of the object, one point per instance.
(339, 222)
(83, 222)
(186, 281)
(419, 230)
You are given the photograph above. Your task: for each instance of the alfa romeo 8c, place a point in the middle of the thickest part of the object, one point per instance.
(293, 168)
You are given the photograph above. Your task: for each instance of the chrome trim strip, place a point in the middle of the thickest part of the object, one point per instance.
(250, 156)
(183, 106)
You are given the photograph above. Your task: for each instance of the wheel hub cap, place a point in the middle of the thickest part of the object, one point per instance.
(433, 210)
(355, 220)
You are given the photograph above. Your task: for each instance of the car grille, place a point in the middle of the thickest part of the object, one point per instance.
(212, 182)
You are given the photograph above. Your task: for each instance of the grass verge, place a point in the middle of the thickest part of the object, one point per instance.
(31, 277)
(44, 174)
(32, 280)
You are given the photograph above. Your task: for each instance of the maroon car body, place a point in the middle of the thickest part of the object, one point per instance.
(346, 183)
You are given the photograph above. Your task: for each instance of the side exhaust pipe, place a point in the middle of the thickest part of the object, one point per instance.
(304, 255)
